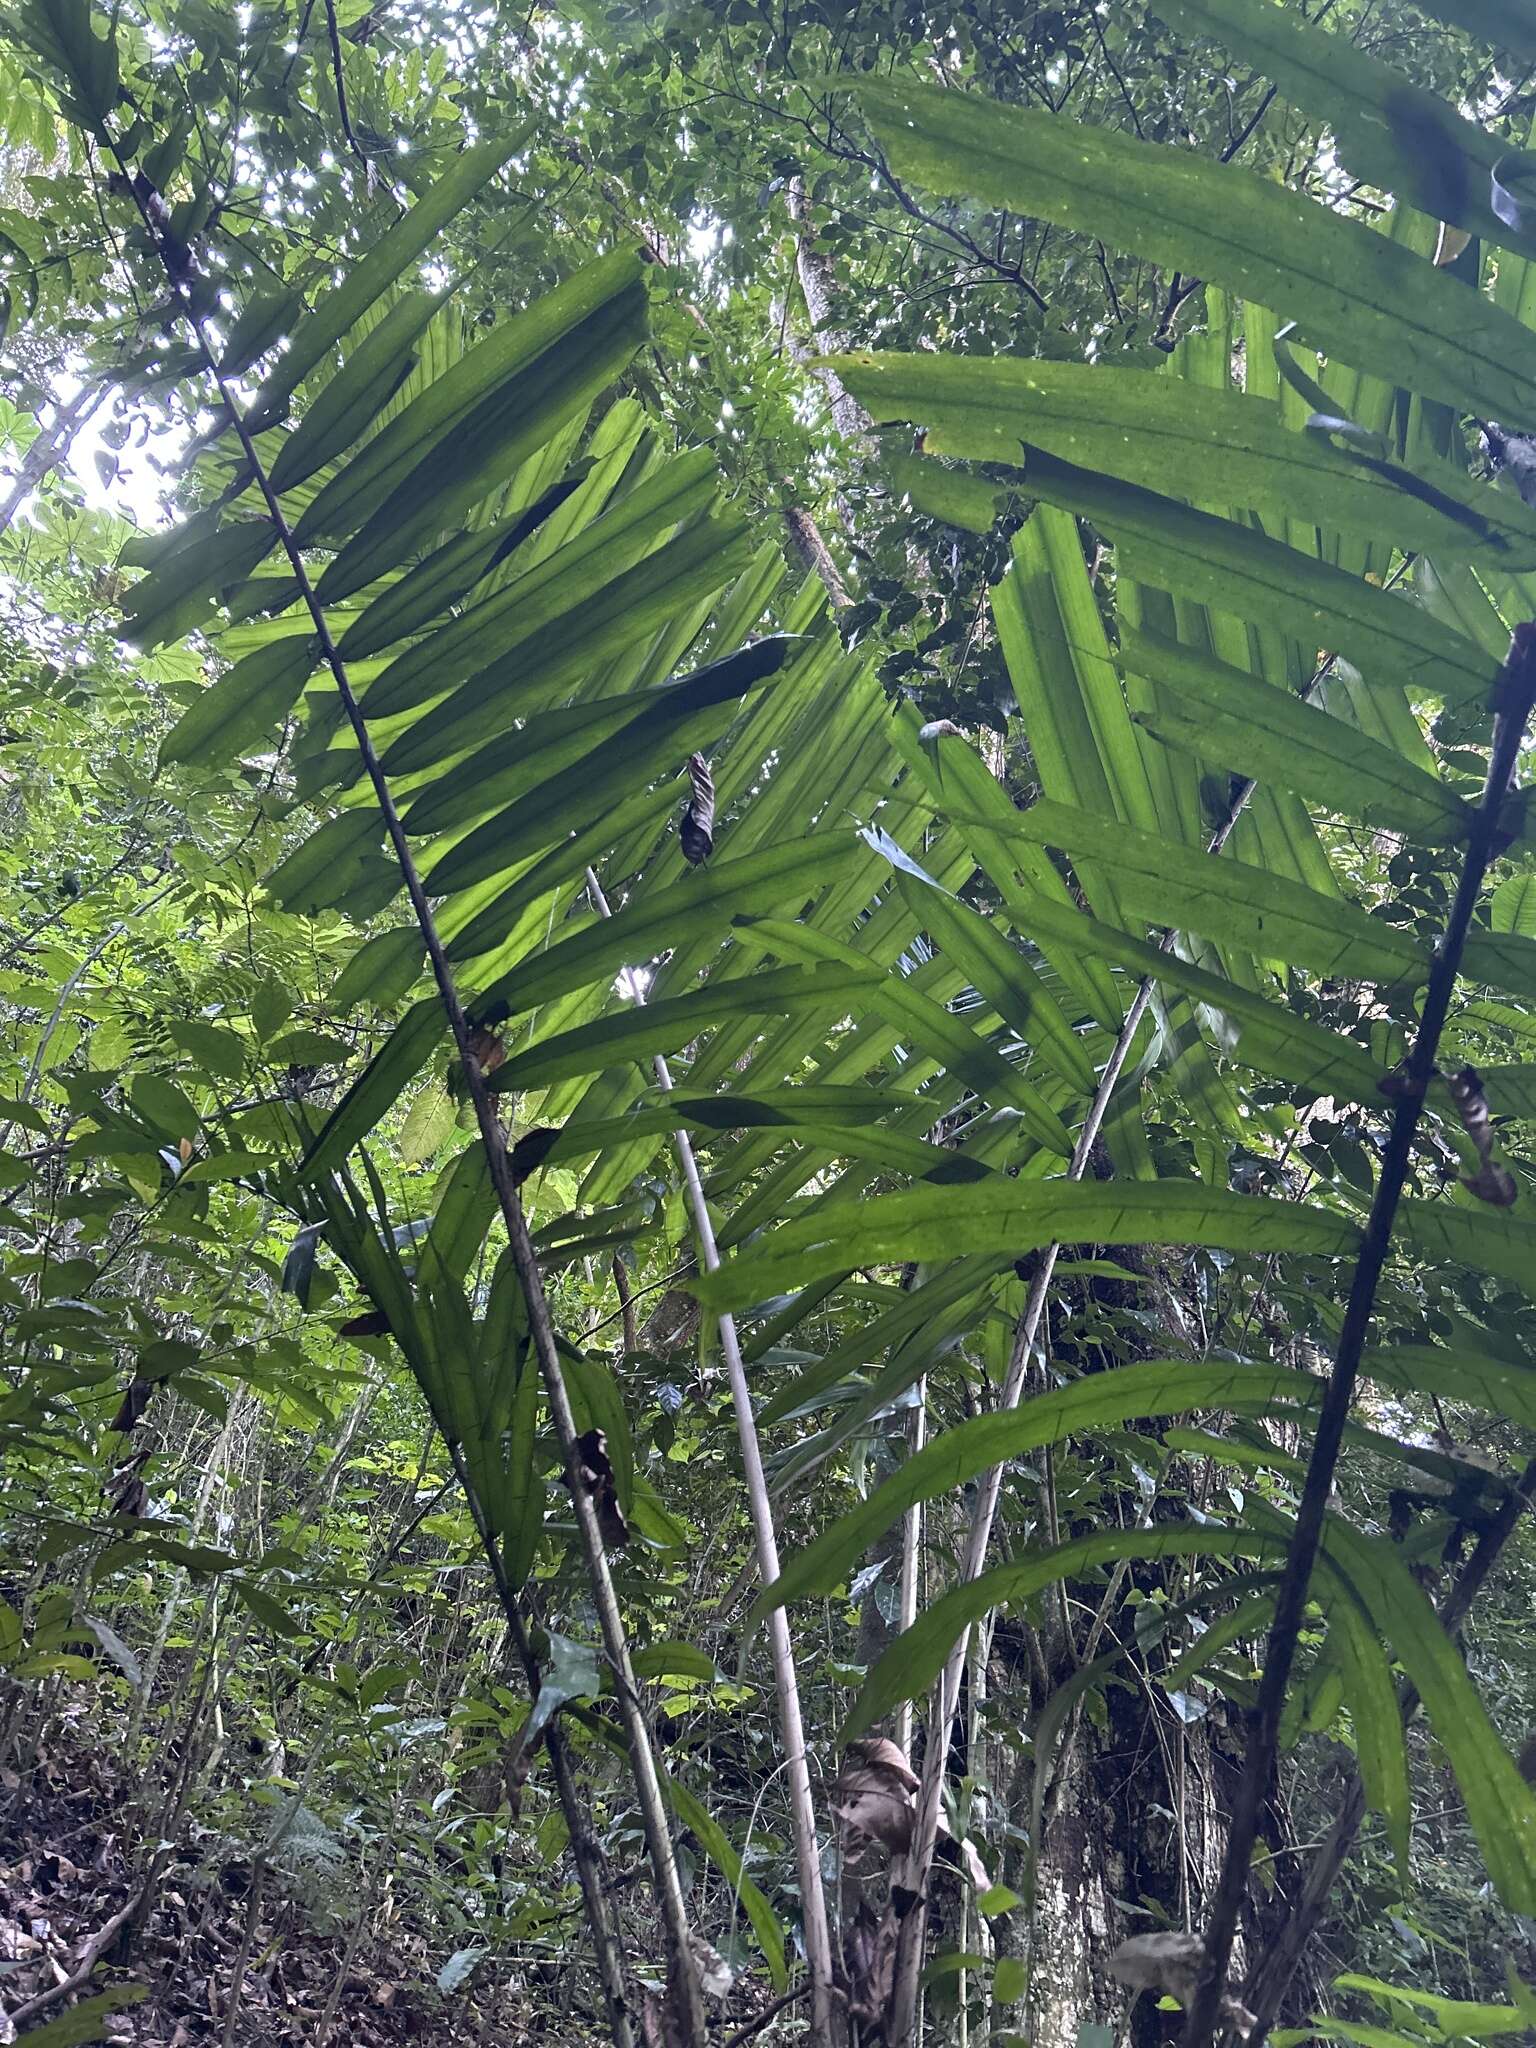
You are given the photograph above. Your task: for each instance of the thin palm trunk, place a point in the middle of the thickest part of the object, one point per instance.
(818, 1939)
(686, 2005)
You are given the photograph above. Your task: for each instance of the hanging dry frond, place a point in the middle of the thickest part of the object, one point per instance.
(1493, 1182)
(697, 831)
(876, 1796)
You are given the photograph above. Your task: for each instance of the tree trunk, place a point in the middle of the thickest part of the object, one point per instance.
(1078, 1873)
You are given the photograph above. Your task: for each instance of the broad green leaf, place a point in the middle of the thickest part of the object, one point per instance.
(1506, 960)
(267, 315)
(465, 1209)
(931, 1028)
(859, 1141)
(390, 257)
(367, 381)
(960, 786)
(1103, 1400)
(713, 1841)
(674, 1660)
(1231, 902)
(556, 590)
(1471, 1234)
(1511, 1091)
(1470, 2018)
(1350, 290)
(380, 971)
(215, 1049)
(180, 594)
(1389, 131)
(1496, 1384)
(1512, 906)
(267, 1608)
(225, 1166)
(447, 575)
(1234, 569)
(1265, 732)
(699, 562)
(581, 354)
(163, 1105)
(1010, 1980)
(1270, 1037)
(1014, 1217)
(643, 735)
(427, 1124)
(573, 1673)
(513, 358)
(334, 858)
(912, 1663)
(928, 1318)
(487, 929)
(1507, 24)
(522, 1492)
(1070, 697)
(86, 2020)
(245, 708)
(1374, 1711)
(14, 1111)
(1501, 1807)
(1172, 436)
(703, 903)
(803, 1108)
(1344, 2030)
(458, 1969)
(388, 1075)
(675, 1021)
(996, 970)
(63, 33)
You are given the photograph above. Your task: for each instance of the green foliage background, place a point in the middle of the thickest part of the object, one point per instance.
(1035, 455)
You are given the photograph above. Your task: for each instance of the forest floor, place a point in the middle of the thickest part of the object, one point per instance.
(72, 1886)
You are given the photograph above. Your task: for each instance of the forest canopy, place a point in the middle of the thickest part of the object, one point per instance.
(767, 1023)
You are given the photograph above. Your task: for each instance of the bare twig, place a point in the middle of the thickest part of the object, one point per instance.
(769, 2013)
(98, 1946)
(334, 33)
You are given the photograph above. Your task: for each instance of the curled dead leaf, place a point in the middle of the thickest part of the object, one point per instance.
(487, 1049)
(696, 834)
(595, 1475)
(875, 1796)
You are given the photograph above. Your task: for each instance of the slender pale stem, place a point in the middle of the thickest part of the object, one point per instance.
(911, 1555)
(979, 1536)
(584, 1849)
(909, 1956)
(818, 1940)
